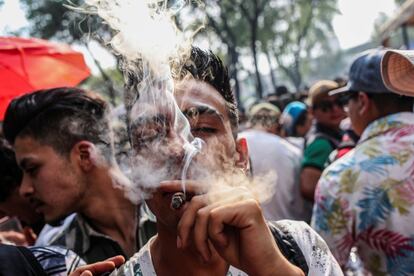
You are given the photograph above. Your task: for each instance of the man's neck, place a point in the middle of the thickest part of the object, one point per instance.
(169, 260)
(108, 211)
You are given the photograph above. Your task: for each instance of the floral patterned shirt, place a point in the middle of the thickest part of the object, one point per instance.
(366, 198)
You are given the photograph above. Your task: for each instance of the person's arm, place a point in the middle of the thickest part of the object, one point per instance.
(313, 163)
(234, 225)
(317, 254)
(309, 178)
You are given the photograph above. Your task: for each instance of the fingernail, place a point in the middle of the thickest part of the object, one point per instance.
(179, 242)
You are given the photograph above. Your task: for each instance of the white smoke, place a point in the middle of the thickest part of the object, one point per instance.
(151, 46)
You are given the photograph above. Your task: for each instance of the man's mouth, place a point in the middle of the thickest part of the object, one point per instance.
(37, 205)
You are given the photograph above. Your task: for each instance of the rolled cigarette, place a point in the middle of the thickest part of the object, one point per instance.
(178, 200)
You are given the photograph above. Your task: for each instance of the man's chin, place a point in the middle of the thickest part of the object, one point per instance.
(54, 221)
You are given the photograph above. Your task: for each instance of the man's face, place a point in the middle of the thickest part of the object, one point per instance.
(206, 111)
(50, 181)
(328, 111)
(353, 110)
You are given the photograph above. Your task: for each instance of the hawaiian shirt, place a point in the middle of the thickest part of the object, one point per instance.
(365, 200)
(319, 259)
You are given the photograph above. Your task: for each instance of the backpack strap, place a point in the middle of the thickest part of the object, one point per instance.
(288, 246)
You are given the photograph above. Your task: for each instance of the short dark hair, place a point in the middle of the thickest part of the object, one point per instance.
(301, 120)
(201, 65)
(10, 173)
(388, 103)
(60, 118)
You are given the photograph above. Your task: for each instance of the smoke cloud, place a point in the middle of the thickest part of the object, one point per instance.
(152, 49)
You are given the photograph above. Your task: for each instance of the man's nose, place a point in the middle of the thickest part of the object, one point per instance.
(26, 187)
(175, 145)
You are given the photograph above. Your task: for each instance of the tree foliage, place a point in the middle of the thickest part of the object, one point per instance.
(287, 32)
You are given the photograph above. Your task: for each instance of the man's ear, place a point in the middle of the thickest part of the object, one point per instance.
(242, 161)
(82, 154)
(365, 104)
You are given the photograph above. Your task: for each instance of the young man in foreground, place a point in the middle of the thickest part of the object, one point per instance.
(221, 231)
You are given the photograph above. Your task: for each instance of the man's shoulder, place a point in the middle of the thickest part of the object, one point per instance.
(313, 248)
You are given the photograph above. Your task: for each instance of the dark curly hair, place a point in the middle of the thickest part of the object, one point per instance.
(59, 118)
(10, 173)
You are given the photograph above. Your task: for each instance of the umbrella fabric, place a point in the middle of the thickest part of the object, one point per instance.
(31, 64)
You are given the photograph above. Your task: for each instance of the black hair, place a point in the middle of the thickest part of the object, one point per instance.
(59, 118)
(201, 65)
(388, 103)
(10, 173)
(301, 120)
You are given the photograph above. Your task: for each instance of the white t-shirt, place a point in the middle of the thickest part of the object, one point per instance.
(271, 153)
(318, 257)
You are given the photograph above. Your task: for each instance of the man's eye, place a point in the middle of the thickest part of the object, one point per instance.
(203, 129)
(31, 171)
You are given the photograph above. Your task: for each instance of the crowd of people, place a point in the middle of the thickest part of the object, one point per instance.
(337, 166)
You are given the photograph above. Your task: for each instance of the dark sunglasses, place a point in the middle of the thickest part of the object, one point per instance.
(346, 97)
(326, 105)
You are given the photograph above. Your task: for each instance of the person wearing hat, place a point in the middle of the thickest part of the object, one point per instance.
(365, 200)
(295, 122)
(324, 136)
(266, 150)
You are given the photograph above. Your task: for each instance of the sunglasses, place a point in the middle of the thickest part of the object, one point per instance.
(346, 97)
(327, 105)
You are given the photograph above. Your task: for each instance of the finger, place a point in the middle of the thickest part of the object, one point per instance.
(186, 222)
(15, 237)
(29, 235)
(242, 216)
(98, 268)
(117, 260)
(200, 232)
(85, 273)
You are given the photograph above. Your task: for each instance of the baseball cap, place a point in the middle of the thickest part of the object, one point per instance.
(290, 116)
(397, 68)
(319, 90)
(365, 74)
(264, 106)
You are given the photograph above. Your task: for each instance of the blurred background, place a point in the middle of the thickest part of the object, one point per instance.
(272, 47)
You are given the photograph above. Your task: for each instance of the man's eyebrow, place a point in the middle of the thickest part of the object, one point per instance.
(200, 110)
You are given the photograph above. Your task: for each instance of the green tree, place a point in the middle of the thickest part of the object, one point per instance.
(287, 32)
(299, 31)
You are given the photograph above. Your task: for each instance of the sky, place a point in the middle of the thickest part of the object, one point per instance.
(353, 26)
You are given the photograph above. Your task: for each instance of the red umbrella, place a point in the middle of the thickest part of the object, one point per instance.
(31, 64)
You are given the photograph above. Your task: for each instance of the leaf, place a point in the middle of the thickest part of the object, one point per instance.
(377, 164)
(400, 194)
(393, 244)
(372, 149)
(402, 265)
(375, 207)
(348, 181)
(338, 217)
